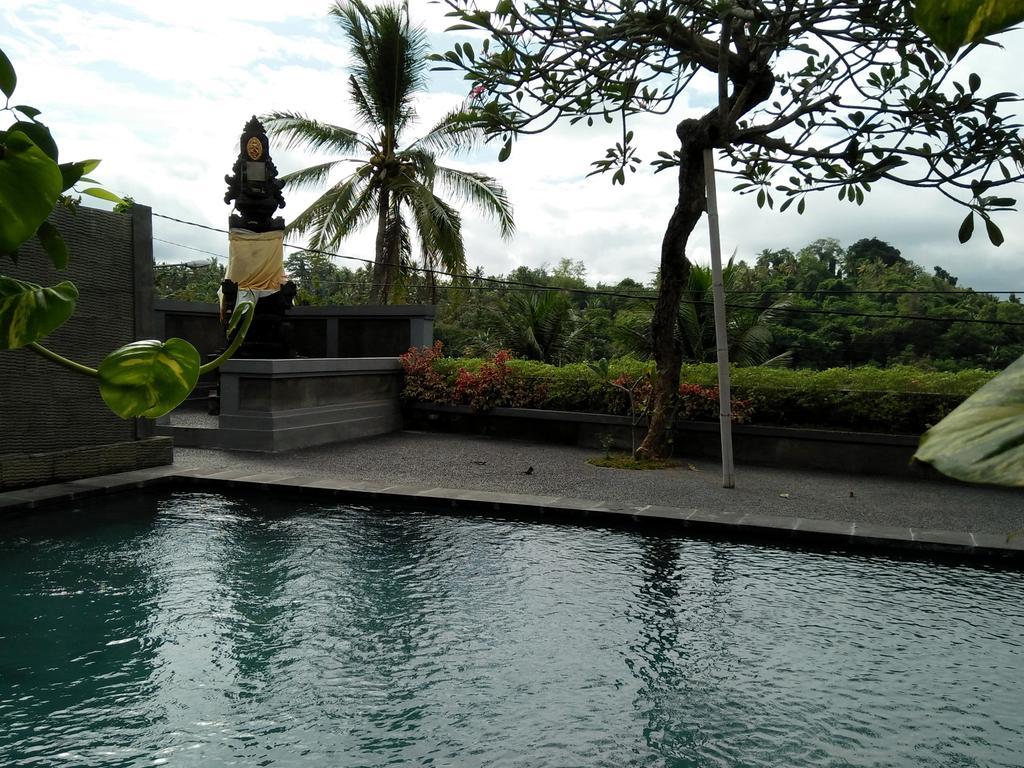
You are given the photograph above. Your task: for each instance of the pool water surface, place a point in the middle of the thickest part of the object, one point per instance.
(199, 629)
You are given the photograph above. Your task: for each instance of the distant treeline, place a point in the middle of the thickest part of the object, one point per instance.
(812, 308)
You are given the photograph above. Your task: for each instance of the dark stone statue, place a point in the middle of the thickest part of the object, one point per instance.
(253, 184)
(254, 188)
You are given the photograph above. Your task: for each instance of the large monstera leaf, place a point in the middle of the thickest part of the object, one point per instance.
(955, 23)
(30, 183)
(29, 312)
(982, 441)
(148, 378)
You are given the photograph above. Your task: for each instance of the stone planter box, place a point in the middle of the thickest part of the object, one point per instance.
(852, 452)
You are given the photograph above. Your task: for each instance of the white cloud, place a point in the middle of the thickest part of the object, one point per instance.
(161, 92)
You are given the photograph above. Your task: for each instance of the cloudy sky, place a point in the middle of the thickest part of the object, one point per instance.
(160, 92)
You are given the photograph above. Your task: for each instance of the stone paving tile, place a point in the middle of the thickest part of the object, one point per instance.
(286, 480)
(43, 494)
(1007, 543)
(226, 474)
(336, 484)
(866, 532)
(625, 509)
(711, 518)
(772, 523)
(943, 538)
(198, 472)
(582, 505)
(827, 527)
(671, 513)
(404, 490)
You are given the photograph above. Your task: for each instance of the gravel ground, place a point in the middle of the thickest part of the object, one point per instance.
(476, 463)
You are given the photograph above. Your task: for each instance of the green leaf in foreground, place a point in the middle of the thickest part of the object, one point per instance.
(982, 441)
(72, 173)
(30, 183)
(29, 312)
(148, 378)
(955, 23)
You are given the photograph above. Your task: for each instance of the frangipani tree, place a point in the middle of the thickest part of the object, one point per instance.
(394, 180)
(813, 95)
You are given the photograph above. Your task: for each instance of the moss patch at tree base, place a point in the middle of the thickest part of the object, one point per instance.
(625, 461)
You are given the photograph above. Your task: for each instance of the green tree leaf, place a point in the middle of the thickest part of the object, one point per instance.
(982, 441)
(72, 173)
(966, 228)
(8, 78)
(995, 235)
(102, 194)
(30, 183)
(53, 244)
(148, 378)
(955, 23)
(29, 312)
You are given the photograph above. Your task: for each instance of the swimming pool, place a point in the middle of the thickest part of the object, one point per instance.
(191, 629)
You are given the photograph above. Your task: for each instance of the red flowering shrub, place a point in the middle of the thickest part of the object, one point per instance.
(496, 385)
(423, 382)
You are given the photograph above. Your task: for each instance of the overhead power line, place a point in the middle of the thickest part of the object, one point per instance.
(502, 282)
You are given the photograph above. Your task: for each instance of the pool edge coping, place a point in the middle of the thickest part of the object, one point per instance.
(691, 519)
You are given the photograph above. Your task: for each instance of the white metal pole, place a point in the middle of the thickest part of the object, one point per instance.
(721, 334)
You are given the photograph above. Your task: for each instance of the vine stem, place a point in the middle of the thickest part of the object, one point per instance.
(49, 354)
(235, 343)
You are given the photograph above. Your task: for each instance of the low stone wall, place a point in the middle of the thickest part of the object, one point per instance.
(328, 332)
(853, 452)
(21, 470)
(280, 405)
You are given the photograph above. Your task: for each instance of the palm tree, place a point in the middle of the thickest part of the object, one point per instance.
(538, 325)
(749, 331)
(393, 182)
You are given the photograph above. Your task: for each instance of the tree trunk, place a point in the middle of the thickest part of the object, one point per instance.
(381, 289)
(675, 269)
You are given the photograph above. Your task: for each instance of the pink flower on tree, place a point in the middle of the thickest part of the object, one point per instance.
(477, 90)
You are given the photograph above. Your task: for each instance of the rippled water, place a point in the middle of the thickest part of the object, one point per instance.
(194, 630)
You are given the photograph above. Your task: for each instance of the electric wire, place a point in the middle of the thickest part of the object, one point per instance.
(617, 294)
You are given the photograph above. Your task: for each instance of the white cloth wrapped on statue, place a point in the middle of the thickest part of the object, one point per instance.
(256, 259)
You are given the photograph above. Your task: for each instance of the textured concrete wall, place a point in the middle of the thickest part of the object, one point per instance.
(48, 408)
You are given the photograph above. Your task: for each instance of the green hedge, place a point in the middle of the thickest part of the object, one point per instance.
(893, 400)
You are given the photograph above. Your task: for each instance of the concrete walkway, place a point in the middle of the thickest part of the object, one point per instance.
(511, 467)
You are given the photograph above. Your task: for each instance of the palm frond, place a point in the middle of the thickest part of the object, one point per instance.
(300, 131)
(455, 132)
(482, 191)
(342, 209)
(367, 114)
(390, 58)
(439, 225)
(424, 162)
(311, 176)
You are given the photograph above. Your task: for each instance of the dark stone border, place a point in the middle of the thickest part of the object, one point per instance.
(18, 470)
(863, 453)
(678, 520)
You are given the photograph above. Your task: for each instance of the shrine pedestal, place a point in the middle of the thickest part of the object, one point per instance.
(281, 405)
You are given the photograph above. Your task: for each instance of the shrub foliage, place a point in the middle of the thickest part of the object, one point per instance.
(899, 400)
